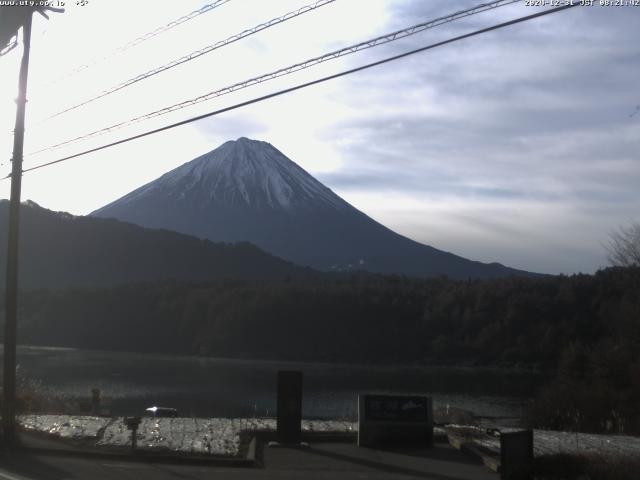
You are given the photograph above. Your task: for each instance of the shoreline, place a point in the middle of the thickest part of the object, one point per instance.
(517, 367)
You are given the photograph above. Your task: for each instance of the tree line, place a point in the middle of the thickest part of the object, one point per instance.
(586, 328)
(359, 317)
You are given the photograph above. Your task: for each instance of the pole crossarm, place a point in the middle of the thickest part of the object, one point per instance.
(10, 46)
(14, 15)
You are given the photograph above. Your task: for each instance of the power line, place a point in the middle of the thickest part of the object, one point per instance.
(199, 53)
(390, 37)
(303, 85)
(143, 38)
(173, 24)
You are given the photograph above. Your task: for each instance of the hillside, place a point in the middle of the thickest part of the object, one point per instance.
(61, 250)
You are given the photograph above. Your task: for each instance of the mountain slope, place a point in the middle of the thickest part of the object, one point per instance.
(246, 190)
(61, 250)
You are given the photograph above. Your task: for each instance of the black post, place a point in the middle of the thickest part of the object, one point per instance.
(289, 429)
(11, 299)
(516, 455)
(95, 401)
(132, 424)
(134, 439)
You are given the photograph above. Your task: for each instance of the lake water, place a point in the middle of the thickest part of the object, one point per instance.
(200, 386)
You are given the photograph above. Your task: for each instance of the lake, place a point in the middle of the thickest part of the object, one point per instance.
(202, 386)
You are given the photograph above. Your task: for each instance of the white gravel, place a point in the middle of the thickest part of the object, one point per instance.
(222, 436)
(65, 426)
(213, 436)
(548, 442)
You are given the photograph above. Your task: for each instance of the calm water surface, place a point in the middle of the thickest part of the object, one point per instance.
(202, 386)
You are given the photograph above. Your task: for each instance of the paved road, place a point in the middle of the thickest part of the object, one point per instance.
(320, 461)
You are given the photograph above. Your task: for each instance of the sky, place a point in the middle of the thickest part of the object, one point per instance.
(519, 146)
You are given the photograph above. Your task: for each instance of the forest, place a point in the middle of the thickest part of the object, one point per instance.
(355, 317)
(586, 328)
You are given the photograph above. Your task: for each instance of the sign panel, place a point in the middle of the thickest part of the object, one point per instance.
(394, 419)
(132, 422)
(396, 408)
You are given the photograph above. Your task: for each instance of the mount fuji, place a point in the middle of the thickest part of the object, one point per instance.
(247, 190)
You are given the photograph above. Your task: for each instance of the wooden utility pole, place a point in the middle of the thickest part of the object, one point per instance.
(11, 299)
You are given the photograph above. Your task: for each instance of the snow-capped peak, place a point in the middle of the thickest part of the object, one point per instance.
(242, 172)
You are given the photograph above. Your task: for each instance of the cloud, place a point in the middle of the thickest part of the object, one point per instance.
(517, 146)
(231, 127)
(522, 133)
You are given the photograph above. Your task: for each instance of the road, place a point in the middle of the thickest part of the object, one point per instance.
(322, 461)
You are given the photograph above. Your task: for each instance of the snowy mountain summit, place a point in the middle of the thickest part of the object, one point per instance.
(247, 190)
(241, 173)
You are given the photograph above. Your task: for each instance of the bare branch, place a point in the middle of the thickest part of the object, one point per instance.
(624, 246)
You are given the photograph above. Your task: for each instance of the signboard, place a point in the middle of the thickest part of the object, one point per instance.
(132, 422)
(394, 419)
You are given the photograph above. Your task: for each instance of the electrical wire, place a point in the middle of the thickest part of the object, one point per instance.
(198, 53)
(143, 38)
(390, 37)
(304, 85)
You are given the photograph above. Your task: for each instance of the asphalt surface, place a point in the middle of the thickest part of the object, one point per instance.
(319, 461)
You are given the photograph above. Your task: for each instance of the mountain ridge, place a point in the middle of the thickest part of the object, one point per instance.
(60, 250)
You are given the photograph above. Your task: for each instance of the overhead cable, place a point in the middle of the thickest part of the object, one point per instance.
(303, 85)
(154, 33)
(390, 37)
(199, 53)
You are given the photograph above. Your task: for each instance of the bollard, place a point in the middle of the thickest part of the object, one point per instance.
(289, 407)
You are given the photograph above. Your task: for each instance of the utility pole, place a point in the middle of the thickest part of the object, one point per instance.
(11, 299)
(14, 16)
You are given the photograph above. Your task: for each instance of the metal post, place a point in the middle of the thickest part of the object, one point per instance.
(516, 455)
(134, 440)
(11, 299)
(95, 401)
(132, 424)
(289, 407)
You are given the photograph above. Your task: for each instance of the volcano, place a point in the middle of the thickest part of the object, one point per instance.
(248, 191)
